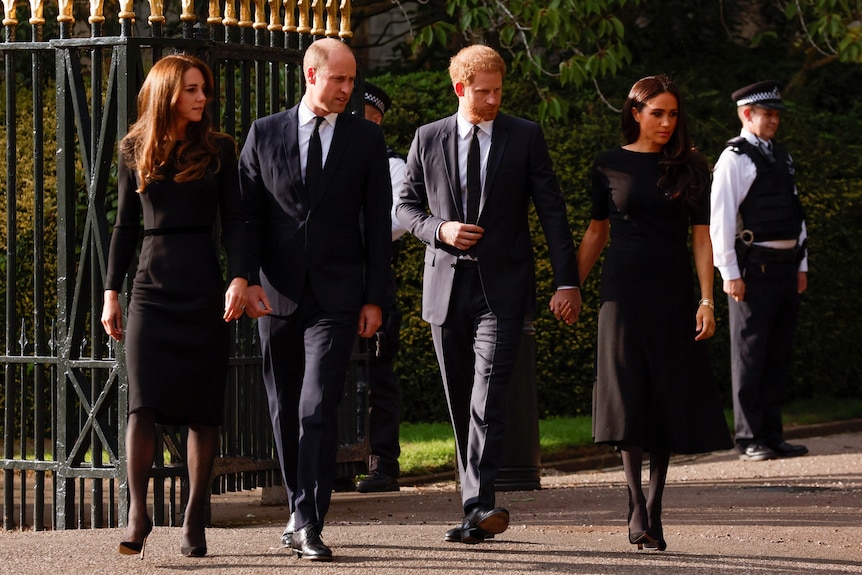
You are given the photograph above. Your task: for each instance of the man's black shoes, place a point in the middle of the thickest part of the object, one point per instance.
(376, 482)
(478, 525)
(784, 449)
(756, 452)
(763, 451)
(306, 543)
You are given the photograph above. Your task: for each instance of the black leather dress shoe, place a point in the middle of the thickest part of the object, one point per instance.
(757, 452)
(306, 543)
(376, 482)
(454, 535)
(478, 525)
(784, 449)
(287, 536)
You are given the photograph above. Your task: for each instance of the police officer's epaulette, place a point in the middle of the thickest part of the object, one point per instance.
(393, 154)
(740, 145)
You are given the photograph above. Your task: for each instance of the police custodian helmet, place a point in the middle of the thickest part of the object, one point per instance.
(764, 94)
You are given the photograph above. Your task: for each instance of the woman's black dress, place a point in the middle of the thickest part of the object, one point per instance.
(654, 383)
(176, 338)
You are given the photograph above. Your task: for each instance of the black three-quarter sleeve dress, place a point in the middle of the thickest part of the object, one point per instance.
(654, 386)
(176, 338)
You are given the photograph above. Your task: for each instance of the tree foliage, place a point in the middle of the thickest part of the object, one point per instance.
(830, 29)
(570, 41)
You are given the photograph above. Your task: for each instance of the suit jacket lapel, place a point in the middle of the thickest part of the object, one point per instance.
(449, 143)
(499, 140)
(291, 152)
(337, 149)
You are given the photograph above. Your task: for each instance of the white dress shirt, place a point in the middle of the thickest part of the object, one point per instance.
(306, 127)
(465, 136)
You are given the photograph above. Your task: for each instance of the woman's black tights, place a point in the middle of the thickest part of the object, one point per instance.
(202, 448)
(645, 513)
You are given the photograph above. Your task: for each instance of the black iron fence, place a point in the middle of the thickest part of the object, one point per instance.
(65, 386)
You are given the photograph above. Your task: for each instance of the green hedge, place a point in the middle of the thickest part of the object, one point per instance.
(826, 145)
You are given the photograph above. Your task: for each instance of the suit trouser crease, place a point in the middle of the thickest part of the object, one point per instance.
(306, 359)
(476, 351)
(762, 330)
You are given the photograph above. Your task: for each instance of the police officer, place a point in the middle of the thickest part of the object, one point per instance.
(384, 398)
(759, 246)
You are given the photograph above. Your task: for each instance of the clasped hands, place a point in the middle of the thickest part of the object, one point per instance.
(565, 304)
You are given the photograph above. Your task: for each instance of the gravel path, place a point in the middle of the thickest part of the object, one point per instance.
(722, 516)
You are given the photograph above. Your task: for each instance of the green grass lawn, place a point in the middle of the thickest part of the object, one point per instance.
(430, 447)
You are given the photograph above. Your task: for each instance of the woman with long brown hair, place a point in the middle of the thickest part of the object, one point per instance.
(181, 176)
(654, 391)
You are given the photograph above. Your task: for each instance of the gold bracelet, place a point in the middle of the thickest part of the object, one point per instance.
(708, 303)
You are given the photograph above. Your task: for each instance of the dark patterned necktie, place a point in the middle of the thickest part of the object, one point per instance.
(314, 165)
(474, 179)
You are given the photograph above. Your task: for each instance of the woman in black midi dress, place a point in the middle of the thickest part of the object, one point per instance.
(180, 175)
(655, 390)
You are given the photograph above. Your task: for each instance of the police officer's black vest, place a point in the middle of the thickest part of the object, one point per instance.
(771, 210)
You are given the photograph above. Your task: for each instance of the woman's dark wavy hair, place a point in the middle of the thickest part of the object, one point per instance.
(684, 171)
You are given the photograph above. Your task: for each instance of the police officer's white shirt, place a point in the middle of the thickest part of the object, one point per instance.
(397, 171)
(731, 180)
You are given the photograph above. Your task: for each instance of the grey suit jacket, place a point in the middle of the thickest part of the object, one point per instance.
(519, 170)
(339, 238)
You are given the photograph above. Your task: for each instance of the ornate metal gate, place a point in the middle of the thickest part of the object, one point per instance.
(65, 386)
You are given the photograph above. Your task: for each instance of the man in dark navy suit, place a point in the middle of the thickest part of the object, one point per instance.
(470, 179)
(315, 181)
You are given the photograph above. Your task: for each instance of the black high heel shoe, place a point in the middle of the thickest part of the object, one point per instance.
(642, 539)
(656, 540)
(194, 550)
(199, 551)
(135, 548)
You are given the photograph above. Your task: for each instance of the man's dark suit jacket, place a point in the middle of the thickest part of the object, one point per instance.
(294, 235)
(519, 169)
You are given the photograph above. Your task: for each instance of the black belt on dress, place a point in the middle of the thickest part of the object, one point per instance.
(178, 231)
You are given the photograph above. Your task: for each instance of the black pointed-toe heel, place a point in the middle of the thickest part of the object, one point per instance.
(198, 551)
(135, 548)
(656, 541)
(645, 539)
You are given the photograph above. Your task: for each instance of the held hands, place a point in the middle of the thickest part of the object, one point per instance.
(459, 235)
(370, 319)
(234, 299)
(735, 288)
(257, 304)
(566, 304)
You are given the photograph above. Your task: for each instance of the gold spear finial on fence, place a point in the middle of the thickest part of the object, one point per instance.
(304, 17)
(157, 12)
(64, 7)
(9, 13)
(215, 12)
(346, 10)
(259, 15)
(332, 18)
(188, 14)
(317, 7)
(245, 14)
(274, 16)
(96, 11)
(290, 15)
(36, 15)
(230, 13)
(127, 10)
